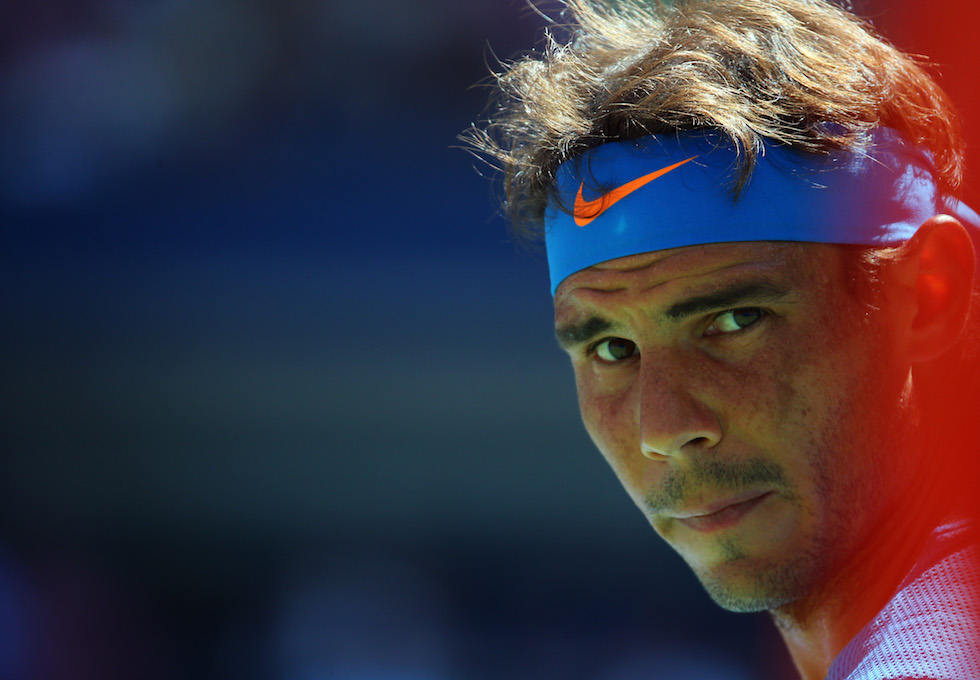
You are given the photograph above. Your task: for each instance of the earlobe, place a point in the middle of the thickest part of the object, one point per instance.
(943, 260)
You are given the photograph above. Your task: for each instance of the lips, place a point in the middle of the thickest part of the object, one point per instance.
(721, 514)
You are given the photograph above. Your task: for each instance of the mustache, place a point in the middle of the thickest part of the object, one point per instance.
(713, 474)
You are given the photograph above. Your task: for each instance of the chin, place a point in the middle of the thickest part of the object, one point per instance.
(743, 601)
(745, 586)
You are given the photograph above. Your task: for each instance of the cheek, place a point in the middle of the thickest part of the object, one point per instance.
(821, 394)
(783, 398)
(605, 416)
(777, 403)
(609, 418)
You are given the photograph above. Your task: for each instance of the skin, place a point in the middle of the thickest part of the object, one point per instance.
(763, 419)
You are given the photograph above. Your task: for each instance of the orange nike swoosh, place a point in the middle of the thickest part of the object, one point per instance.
(586, 211)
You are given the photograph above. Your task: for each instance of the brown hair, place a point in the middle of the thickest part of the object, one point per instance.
(798, 72)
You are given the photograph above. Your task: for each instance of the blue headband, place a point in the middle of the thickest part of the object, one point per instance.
(653, 193)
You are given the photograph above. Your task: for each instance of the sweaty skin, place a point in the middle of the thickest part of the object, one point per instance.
(759, 415)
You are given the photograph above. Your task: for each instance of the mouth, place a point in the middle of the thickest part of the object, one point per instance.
(722, 514)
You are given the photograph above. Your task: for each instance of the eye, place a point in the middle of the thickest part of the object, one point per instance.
(612, 350)
(734, 320)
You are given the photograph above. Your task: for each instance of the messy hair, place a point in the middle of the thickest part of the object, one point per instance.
(804, 73)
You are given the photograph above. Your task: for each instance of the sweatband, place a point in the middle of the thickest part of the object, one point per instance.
(672, 190)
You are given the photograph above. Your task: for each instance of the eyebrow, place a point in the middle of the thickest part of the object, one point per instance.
(574, 334)
(740, 294)
(733, 296)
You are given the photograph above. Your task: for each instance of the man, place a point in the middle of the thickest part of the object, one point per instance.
(764, 281)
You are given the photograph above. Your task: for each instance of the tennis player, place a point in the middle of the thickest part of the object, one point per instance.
(765, 282)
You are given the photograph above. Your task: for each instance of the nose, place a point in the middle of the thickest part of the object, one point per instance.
(673, 415)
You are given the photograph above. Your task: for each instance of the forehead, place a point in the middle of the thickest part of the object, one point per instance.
(670, 273)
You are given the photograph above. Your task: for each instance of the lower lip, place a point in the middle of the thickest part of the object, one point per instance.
(724, 518)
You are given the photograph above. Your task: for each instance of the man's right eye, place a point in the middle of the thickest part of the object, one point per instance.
(612, 350)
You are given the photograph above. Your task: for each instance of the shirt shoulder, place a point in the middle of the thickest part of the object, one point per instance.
(930, 629)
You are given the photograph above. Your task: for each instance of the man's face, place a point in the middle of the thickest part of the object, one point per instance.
(751, 406)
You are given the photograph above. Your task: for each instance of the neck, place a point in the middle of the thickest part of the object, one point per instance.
(818, 627)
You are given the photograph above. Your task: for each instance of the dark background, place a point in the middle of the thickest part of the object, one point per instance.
(280, 398)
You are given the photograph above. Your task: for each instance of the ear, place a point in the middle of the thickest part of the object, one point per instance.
(941, 259)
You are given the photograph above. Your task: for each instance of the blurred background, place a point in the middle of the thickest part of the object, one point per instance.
(280, 398)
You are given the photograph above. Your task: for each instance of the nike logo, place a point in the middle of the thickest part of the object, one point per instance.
(586, 211)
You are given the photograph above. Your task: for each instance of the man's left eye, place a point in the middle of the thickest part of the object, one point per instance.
(734, 320)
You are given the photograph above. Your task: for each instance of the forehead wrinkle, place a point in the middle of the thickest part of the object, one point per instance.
(610, 289)
(649, 270)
